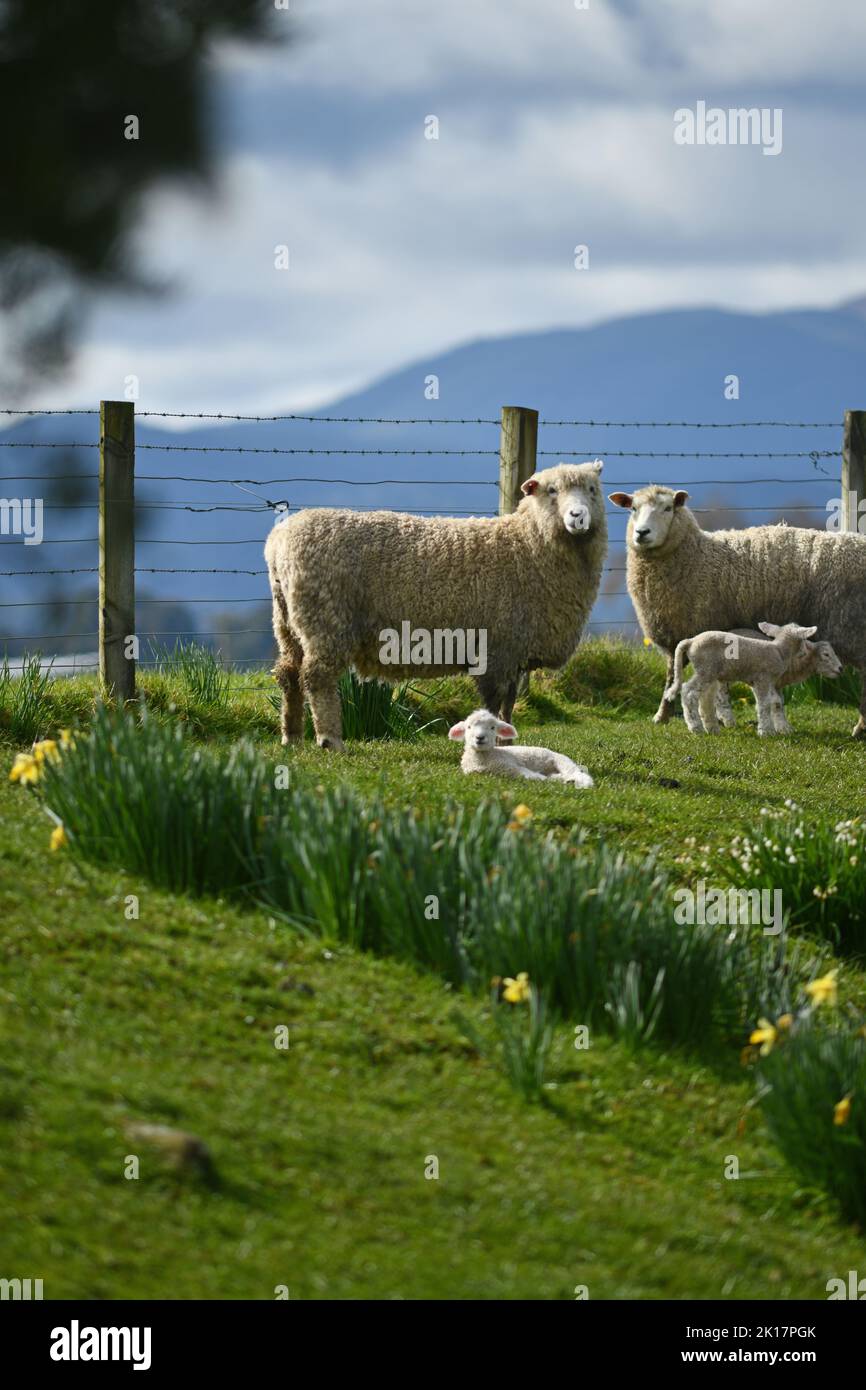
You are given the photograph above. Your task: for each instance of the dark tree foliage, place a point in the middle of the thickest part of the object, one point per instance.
(71, 72)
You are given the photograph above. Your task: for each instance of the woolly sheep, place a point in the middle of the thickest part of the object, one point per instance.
(810, 659)
(718, 655)
(479, 732)
(684, 580)
(342, 579)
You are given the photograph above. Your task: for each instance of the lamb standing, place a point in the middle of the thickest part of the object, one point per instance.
(811, 659)
(684, 580)
(340, 579)
(479, 732)
(722, 655)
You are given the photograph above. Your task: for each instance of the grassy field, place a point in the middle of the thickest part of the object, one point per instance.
(617, 1182)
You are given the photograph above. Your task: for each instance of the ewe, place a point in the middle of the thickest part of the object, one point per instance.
(683, 580)
(811, 659)
(341, 580)
(479, 732)
(717, 656)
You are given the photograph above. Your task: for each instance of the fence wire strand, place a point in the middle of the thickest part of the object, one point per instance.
(266, 505)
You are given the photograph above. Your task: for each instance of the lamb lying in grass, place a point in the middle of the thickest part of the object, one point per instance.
(479, 732)
(724, 656)
(811, 659)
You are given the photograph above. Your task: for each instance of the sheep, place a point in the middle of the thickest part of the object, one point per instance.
(479, 732)
(344, 582)
(684, 580)
(811, 659)
(722, 655)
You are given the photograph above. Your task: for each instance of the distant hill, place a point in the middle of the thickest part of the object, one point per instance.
(797, 365)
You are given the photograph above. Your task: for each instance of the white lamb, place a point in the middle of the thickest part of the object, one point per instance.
(479, 732)
(724, 656)
(813, 659)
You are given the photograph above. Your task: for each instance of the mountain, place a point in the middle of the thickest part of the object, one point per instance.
(796, 365)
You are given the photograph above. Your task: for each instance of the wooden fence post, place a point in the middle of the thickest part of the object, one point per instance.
(116, 548)
(853, 468)
(518, 440)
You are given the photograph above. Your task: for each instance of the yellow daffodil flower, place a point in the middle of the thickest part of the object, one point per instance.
(24, 769)
(516, 991)
(59, 838)
(765, 1034)
(45, 751)
(842, 1111)
(825, 990)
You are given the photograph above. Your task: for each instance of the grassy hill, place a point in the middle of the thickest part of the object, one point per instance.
(616, 1181)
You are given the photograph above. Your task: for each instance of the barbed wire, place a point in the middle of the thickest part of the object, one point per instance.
(695, 424)
(444, 420)
(318, 419)
(266, 505)
(372, 482)
(587, 450)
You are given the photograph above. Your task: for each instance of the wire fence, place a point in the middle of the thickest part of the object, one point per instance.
(798, 486)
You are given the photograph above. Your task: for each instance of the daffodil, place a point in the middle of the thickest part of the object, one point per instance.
(647, 641)
(59, 838)
(784, 1022)
(842, 1111)
(765, 1034)
(67, 739)
(516, 991)
(519, 817)
(825, 990)
(24, 769)
(46, 751)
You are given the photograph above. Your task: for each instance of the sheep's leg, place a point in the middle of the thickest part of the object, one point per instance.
(764, 691)
(322, 691)
(491, 692)
(666, 709)
(690, 695)
(724, 712)
(292, 714)
(859, 730)
(507, 698)
(570, 773)
(287, 670)
(777, 711)
(707, 707)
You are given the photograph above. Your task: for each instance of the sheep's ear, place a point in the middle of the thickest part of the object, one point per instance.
(769, 628)
(597, 465)
(457, 731)
(530, 487)
(808, 631)
(621, 499)
(680, 498)
(505, 730)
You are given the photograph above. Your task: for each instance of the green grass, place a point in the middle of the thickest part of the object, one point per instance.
(321, 1150)
(616, 1181)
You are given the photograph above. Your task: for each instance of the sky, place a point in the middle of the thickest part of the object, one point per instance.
(555, 130)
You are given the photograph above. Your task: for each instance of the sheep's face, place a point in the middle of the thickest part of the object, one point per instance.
(827, 662)
(652, 513)
(481, 730)
(567, 497)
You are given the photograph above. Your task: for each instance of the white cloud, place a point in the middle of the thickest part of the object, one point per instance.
(414, 245)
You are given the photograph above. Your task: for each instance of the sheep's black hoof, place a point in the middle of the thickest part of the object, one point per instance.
(334, 745)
